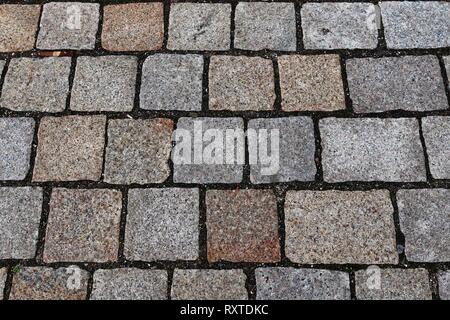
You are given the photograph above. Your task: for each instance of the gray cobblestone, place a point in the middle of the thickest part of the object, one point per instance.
(3, 275)
(444, 285)
(436, 131)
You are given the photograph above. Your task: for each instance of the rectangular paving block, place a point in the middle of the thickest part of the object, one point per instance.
(20, 216)
(201, 151)
(16, 137)
(70, 148)
(162, 224)
(339, 26)
(436, 131)
(369, 149)
(18, 26)
(129, 284)
(83, 225)
(301, 284)
(138, 151)
(240, 83)
(311, 83)
(416, 24)
(199, 26)
(209, 285)
(424, 221)
(411, 83)
(172, 82)
(3, 276)
(261, 25)
(242, 226)
(444, 285)
(42, 283)
(294, 158)
(392, 284)
(33, 84)
(105, 83)
(68, 25)
(133, 26)
(340, 227)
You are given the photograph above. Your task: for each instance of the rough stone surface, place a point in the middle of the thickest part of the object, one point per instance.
(340, 227)
(424, 220)
(206, 172)
(394, 284)
(104, 83)
(301, 284)
(209, 285)
(295, 156)
(41, 283)
(16, 137)
(18, 26)
(3, 275)
(241, 83)
(311, 83)
(416, 24)
(20, 215)
(138, 151)
(162, 224)
(447, 67)
(133, 27)
(70, 148)
(444, 285)
(199, 26)
(2, 65)
(83, 225)
(372, 150)
(260, 25)
(411, 83)
(172, 82)
(61, 29)
(129, 284)
(338, 26)
(36, 84)
(242, 226)
(436, 131)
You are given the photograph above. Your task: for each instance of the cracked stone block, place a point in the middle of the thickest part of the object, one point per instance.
(16, 138)
(199, 26)
(444, 285)
(261, 25)
(129, 284)
(416, 24)
(339, 227)
(172, 82)
(301, 284)
(424, 221)
(3, 275)
(41, 283)
(70, 148)
(339, 26)
(133, 27)
(197, 153)
(105, 83)
(240, 83)
(369, 149)
(311, 83)
(209, 285)
(392, 284)
(83, 225)
(34, 84)
(20, 216)
(294, 158)
(162, 224)
(411, 83)
(436, 131)
(138, 151)
(242, 226)
(18, 26)
(68, 25)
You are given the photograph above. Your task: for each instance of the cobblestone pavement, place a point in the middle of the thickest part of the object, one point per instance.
(93, 205)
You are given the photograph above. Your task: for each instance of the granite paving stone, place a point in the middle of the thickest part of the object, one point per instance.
(339, 227)
(83, 225)
(129, 284)
(33, 84)
(3, 275)
(436, 131)
(2, 66)
(208, 285)
(444, 285)
(447, 67)
(162, 224)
